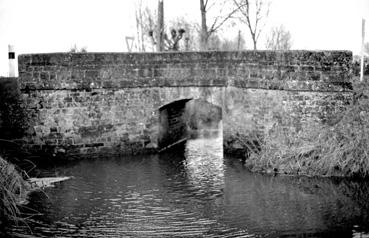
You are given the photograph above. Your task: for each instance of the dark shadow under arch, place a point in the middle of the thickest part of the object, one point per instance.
(172, 126)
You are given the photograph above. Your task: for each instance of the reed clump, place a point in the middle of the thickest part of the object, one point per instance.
(341, 149)
(13, 190)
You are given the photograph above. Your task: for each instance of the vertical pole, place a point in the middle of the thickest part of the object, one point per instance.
(160, 27)
(362, 50)
(239, 40)
(11, 58)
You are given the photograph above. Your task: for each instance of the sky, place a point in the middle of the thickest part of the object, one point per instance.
(42, 26)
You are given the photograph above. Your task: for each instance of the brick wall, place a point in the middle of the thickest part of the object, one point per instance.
(109, 102)
(291, 70)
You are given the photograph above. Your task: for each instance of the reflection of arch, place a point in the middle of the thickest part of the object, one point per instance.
(177, 117)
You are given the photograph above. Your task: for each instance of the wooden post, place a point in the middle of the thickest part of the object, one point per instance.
(160, 27)
(11, 58)
(362, 50)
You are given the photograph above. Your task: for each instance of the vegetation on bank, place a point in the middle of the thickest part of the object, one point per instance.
(341, 149)
(13, 190)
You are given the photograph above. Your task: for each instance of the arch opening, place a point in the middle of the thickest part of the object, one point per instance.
(188, 118)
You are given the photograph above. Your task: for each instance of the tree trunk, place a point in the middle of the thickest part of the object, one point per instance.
(204, 27)
(254, 41)
(142, 32)
(160, 27)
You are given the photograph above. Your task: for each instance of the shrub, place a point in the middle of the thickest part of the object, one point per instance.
(338, 150)
(13, 189)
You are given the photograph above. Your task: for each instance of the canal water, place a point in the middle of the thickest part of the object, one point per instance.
(193, 192)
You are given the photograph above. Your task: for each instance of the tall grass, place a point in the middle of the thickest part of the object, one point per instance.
(13, 189)
(341, 149)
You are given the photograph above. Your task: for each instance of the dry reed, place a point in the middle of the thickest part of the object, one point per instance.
(13, 189)
(341, 149)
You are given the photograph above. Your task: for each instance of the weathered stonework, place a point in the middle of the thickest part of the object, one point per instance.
(87, 103)
(254, 112)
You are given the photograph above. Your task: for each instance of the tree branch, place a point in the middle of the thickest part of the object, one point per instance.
(215, 27)
(253, 22)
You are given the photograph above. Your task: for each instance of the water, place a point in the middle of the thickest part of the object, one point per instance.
(198, 193)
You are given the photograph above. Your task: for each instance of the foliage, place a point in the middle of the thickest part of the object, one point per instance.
(338, 150)
(217, 43)
(13, 189)
(200, 114)
(75, 49)
(237, 43)
(279, 39)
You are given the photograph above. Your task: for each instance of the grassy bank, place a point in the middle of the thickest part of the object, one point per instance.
(13, 189)
(341, 149)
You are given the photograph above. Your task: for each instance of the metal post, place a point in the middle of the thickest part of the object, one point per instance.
(11, 58)
(362, 50)
(129, 43)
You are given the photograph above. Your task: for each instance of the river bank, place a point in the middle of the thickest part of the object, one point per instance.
(13, 190)
(340, 149)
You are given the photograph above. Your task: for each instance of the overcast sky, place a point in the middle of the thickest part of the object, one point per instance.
(37, 26)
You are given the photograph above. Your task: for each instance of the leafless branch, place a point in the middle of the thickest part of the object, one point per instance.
(254, 22)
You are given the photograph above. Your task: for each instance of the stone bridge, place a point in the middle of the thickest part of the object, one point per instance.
(100, 103)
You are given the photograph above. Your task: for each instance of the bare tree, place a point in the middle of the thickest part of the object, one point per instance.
(253, 13)
(168, 42)
(160, 27)
(145, 21)
(189, 41)
(279, 39)
(172, 43)
(224, 12)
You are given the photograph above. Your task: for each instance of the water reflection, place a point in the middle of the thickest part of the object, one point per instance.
(204, 162)
(290, 206)
(197, 193)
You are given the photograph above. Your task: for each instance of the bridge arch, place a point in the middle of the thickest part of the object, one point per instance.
(210, 94)
(180, 118)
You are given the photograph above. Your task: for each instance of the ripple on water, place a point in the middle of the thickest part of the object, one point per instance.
(201, 195)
